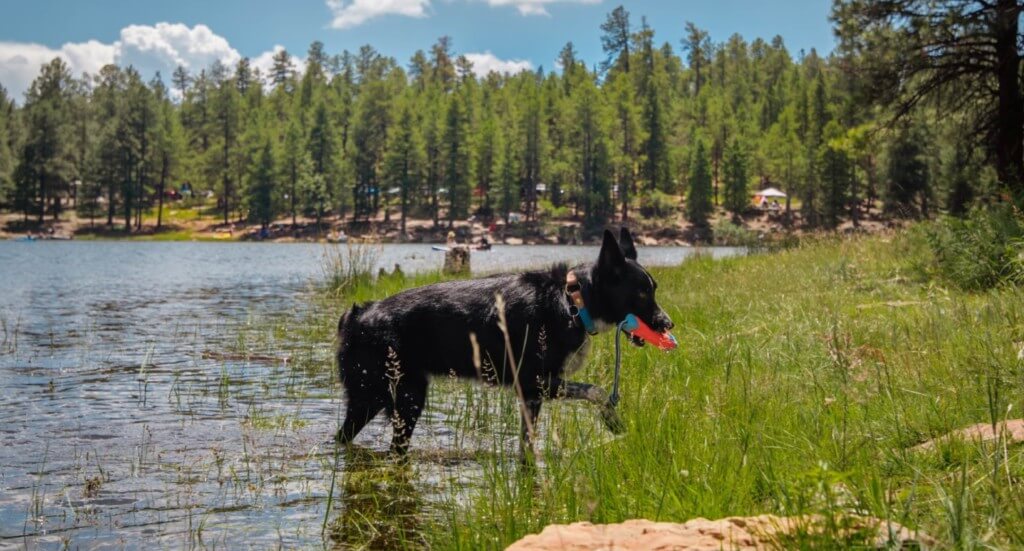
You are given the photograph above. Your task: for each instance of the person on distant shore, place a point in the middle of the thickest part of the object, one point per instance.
(485, 244)
(451, 239)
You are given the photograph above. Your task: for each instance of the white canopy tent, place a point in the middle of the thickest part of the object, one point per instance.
(769, 192)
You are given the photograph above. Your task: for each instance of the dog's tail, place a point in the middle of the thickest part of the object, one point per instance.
(347, 319)
(345, 327)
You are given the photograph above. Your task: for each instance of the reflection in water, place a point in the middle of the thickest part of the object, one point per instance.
(381, 507)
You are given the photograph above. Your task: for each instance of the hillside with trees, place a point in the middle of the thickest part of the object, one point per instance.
(918, 110)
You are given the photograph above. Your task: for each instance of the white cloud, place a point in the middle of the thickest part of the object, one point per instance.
(536, 7)
(486, 62)
(148, 48)
(352, 13)
(20, 62)
(164, 46)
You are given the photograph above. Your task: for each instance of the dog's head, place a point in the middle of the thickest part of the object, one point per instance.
(623, 286)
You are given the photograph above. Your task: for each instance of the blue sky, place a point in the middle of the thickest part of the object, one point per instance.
(505, 34)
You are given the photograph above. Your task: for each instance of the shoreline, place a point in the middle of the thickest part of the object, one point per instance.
(190, 226)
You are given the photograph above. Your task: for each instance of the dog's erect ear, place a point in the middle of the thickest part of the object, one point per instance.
(626, 244)
(610, 258)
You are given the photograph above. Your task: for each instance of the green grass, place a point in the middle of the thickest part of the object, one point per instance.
(803, 380)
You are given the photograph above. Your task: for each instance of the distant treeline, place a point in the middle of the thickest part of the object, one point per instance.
(919, 106)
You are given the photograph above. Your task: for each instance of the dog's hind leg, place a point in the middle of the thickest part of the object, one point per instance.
(357, 415)
(410, 395)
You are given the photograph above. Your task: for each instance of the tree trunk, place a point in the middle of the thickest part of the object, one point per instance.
(854, 200)
(434, 206)
(128, 187)
(227, 169)
(319, 214)
(1010, 122)
(295, 177)
(110, 204)
(160, 197)
(624, 194)
(871, 182)
(405, 201)
(139, 199)
(717, 162)
(225, 198)
(42, 196)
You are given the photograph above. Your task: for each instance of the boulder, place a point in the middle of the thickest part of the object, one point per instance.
(1012, 430)
(734, 533)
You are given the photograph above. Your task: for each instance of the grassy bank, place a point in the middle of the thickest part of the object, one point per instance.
(803, 382)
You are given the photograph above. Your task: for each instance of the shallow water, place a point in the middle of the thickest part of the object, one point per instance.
(136, 406)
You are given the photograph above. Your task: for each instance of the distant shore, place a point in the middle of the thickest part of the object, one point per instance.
(191, 224)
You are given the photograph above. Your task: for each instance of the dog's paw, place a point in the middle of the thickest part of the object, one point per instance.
(612, 420)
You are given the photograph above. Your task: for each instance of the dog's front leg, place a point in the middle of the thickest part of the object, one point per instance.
(528, 416)
(597, 396)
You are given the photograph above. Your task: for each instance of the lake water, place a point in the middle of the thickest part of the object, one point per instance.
(144, 399)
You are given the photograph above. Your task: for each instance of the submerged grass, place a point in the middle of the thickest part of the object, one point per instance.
(803, 382)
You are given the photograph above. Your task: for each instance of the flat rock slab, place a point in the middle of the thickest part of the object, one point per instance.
(1012, 430)
(733, 533)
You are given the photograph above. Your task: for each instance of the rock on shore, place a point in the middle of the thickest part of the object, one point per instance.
(734, 533)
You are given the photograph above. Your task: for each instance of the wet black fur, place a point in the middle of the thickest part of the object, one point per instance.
(389, 349)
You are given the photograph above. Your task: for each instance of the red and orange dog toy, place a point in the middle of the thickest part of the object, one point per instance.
(637, 328)
(634, 326)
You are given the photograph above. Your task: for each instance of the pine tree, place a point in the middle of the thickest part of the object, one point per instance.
(836, 174)
(225, 133)
(169, 148)
(698, 200)
(456, 160)
(6, 149)
(697, 44)
(282, 71)
(655, 170)
(432, 146)
(532, 147)
(370, 139)
(403, 160)
(45, 163)
(109, 154)
(295, 167)
(615, 40)
(592, 155)
(260, 188)
(485, 158)
(908, 175)
(736, 177)
(508, 171)
(323, 154)
(138, 125)
(626, 132)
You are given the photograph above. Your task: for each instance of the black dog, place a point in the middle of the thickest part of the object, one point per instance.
(389, 349)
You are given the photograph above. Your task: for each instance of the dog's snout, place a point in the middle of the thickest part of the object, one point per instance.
(664, 321)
